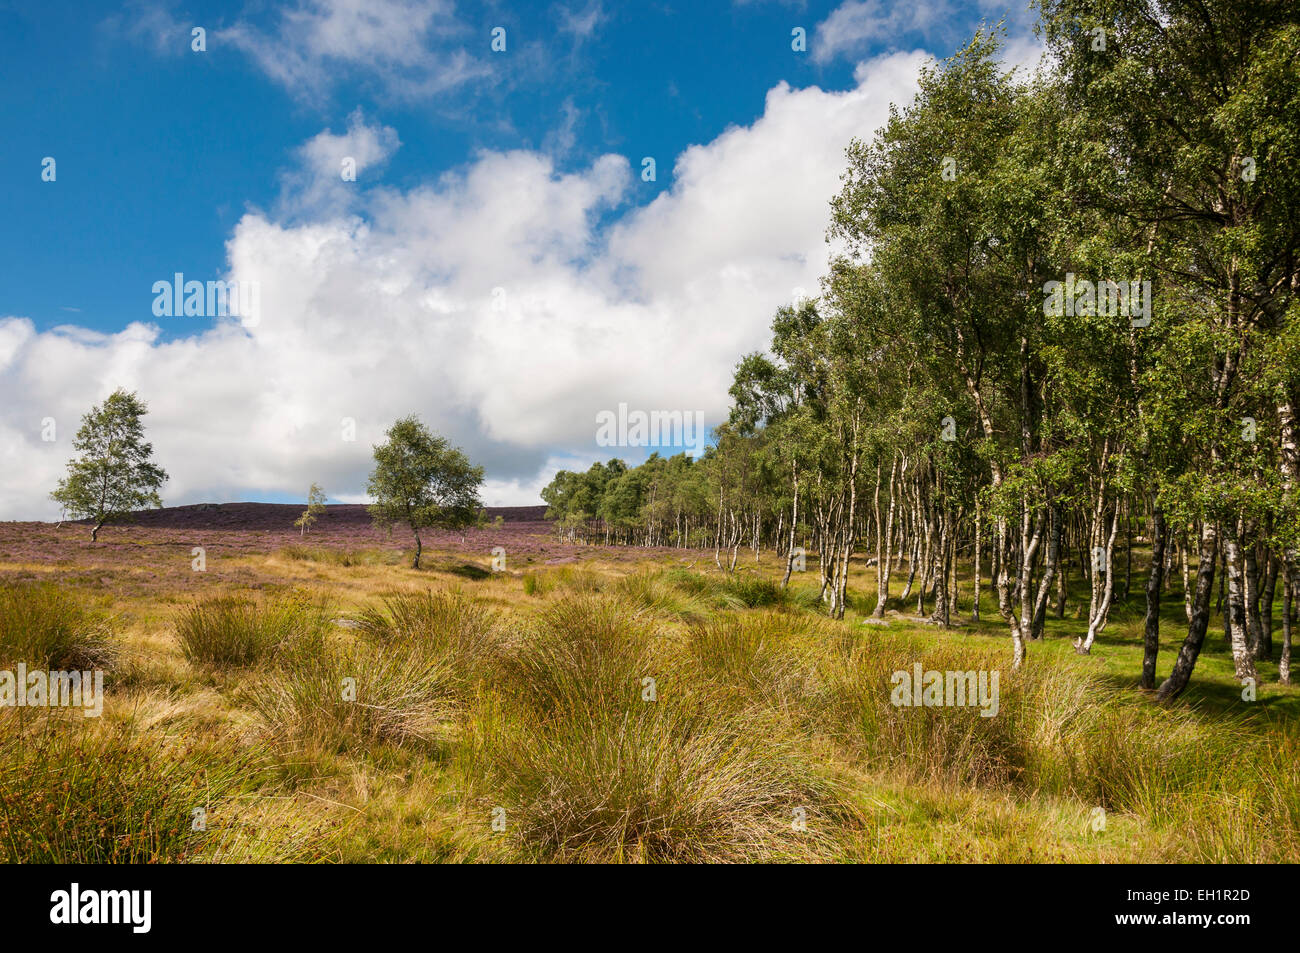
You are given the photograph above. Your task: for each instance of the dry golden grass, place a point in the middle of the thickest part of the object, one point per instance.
(769, 734)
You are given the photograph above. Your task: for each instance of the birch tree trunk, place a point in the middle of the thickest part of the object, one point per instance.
(1155, 580)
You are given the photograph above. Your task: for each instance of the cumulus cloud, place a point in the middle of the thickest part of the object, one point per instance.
(497, 301)
(329, 167)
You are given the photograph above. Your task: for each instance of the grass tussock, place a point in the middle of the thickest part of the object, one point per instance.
(567, 579)
(45, 627)
(763, 657)
(580, 652)
(325, 555)
(597, 751)
(656, 782)
(79, 793)
(448, 625)
(743, 590)
(230, 631)
(350, 700)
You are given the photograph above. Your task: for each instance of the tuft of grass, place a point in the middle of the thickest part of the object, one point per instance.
(946, 745)
(43, 626)
(228, 631)
(656, 592)
(593, 763)
(573, 579)
(448, 625)
(350, 700)
(654, 782)
(580, 651)
(742, 591)
(754, 592)
(765, 657)
(340, 557)
(72, 793)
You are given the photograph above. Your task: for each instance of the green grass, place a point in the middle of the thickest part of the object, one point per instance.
(659, 715)
(300, 552)
(75, 793)
(233, 631)
(45, 627)
(338, 700)
(447, 625)
(590, 760)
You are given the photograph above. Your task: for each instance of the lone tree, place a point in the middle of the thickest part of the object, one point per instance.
(420, 480)
(113, 475)
(315, 506)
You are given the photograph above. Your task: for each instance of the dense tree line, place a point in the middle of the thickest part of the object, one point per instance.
(1063, 319)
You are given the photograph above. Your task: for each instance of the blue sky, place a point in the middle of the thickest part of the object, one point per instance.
(222, 163)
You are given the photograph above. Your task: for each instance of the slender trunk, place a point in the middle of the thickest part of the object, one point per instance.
(1104, 587)
(1155, 580)
(883, 555)
(1049, 571)
(975, 606)
(1128, 558)
(1029, 550)
(1288, 597)
(794, 521)
(1176, 683)
(1266, 606)
(1243, 661)
(1250, 580)
(1062, 586)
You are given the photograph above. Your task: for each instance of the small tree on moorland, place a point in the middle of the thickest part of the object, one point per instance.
(421, 480)
(114, 474)
(315, 506)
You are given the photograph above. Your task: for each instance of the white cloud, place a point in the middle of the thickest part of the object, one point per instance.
(387, 307)
(317, 185)
(315, 42)
(153, 25)
(857, 26)
(581, 24)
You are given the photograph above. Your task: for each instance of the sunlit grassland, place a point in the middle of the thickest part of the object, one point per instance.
(508, 716)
